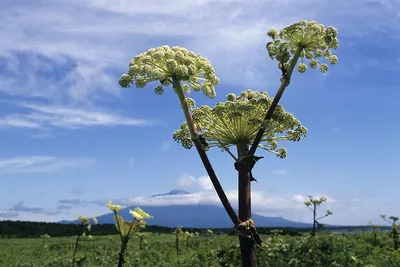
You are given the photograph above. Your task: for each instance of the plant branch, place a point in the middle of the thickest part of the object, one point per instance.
(204, 158)
(284, 83)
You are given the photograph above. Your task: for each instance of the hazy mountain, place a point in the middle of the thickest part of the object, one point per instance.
(195, 216)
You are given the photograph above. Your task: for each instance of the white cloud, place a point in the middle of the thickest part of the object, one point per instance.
(88, 38)
(303, 198)
(40, 163)
(262, 203)
(44, 117)
(190, 183)
(299, 198)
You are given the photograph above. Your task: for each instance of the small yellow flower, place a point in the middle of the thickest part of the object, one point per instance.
(83, 220)
(143, 214)
(136, 215)
(95, 221)
(114, 208)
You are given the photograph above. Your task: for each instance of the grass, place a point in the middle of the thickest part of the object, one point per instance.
(219, 250)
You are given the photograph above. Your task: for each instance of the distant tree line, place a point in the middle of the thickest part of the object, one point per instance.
(25, 229)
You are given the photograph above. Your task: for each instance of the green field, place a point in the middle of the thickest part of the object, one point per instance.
(217, 250)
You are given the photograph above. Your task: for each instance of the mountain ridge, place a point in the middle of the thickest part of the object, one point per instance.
(195, 216)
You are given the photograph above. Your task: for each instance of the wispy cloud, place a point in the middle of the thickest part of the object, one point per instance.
(20, 207)
(47, 117)
(188, 182)
(8, 215)
(75, 201)
(76, 44)
(40, 163)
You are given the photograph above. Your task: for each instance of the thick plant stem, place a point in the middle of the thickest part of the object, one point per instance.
(247, 249)
(314, 220)
(284, 83)
(204, 158)
(395, 239)
(121, 258)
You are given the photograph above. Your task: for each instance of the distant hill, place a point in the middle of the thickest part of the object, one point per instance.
(194, 216)
(198, 216)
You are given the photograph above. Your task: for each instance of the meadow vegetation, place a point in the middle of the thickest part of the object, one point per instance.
(208, 249)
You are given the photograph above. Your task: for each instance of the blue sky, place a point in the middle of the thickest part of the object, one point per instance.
(71, 138)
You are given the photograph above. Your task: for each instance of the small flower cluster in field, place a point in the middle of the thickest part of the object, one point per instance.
(164, 63)
(238, 120)
(127, 228)
(312, 39)
(85, 221)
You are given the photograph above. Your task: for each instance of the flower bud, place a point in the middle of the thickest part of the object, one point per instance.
(301, 67)
(273, 33)
(323, 68)
(333, 59)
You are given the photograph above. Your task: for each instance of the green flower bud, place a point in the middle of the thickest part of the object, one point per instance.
(171, 65)
(169, 54)
(273, 33)
(318, 53)
(313, 63)
(147, 69)
(125, 80)
(333, 59)
(158, 55)
(140, 82)
(191, 103)
(186, 88)
(182, 71)
(301, 67)
(282, 153)
(309, 55)
(159, 90)
(323, 68)
(146, 59)
(158, 73)
(192, 69)
(179, 57)
(196, 87)
(231, 97)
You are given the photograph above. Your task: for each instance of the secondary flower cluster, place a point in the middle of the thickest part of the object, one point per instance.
(127, 228)
(238, 120)
(163, 63)
(313, 40)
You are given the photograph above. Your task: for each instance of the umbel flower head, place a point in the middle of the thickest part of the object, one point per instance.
(238, 120)
(164, 63)
(313, 39)
(114, 208)
(139, 214)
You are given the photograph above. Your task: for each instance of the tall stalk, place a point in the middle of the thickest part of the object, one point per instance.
(247, 249)
(202, 153)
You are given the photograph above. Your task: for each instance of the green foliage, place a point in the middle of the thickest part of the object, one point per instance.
(238, 120)
(325, 250)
